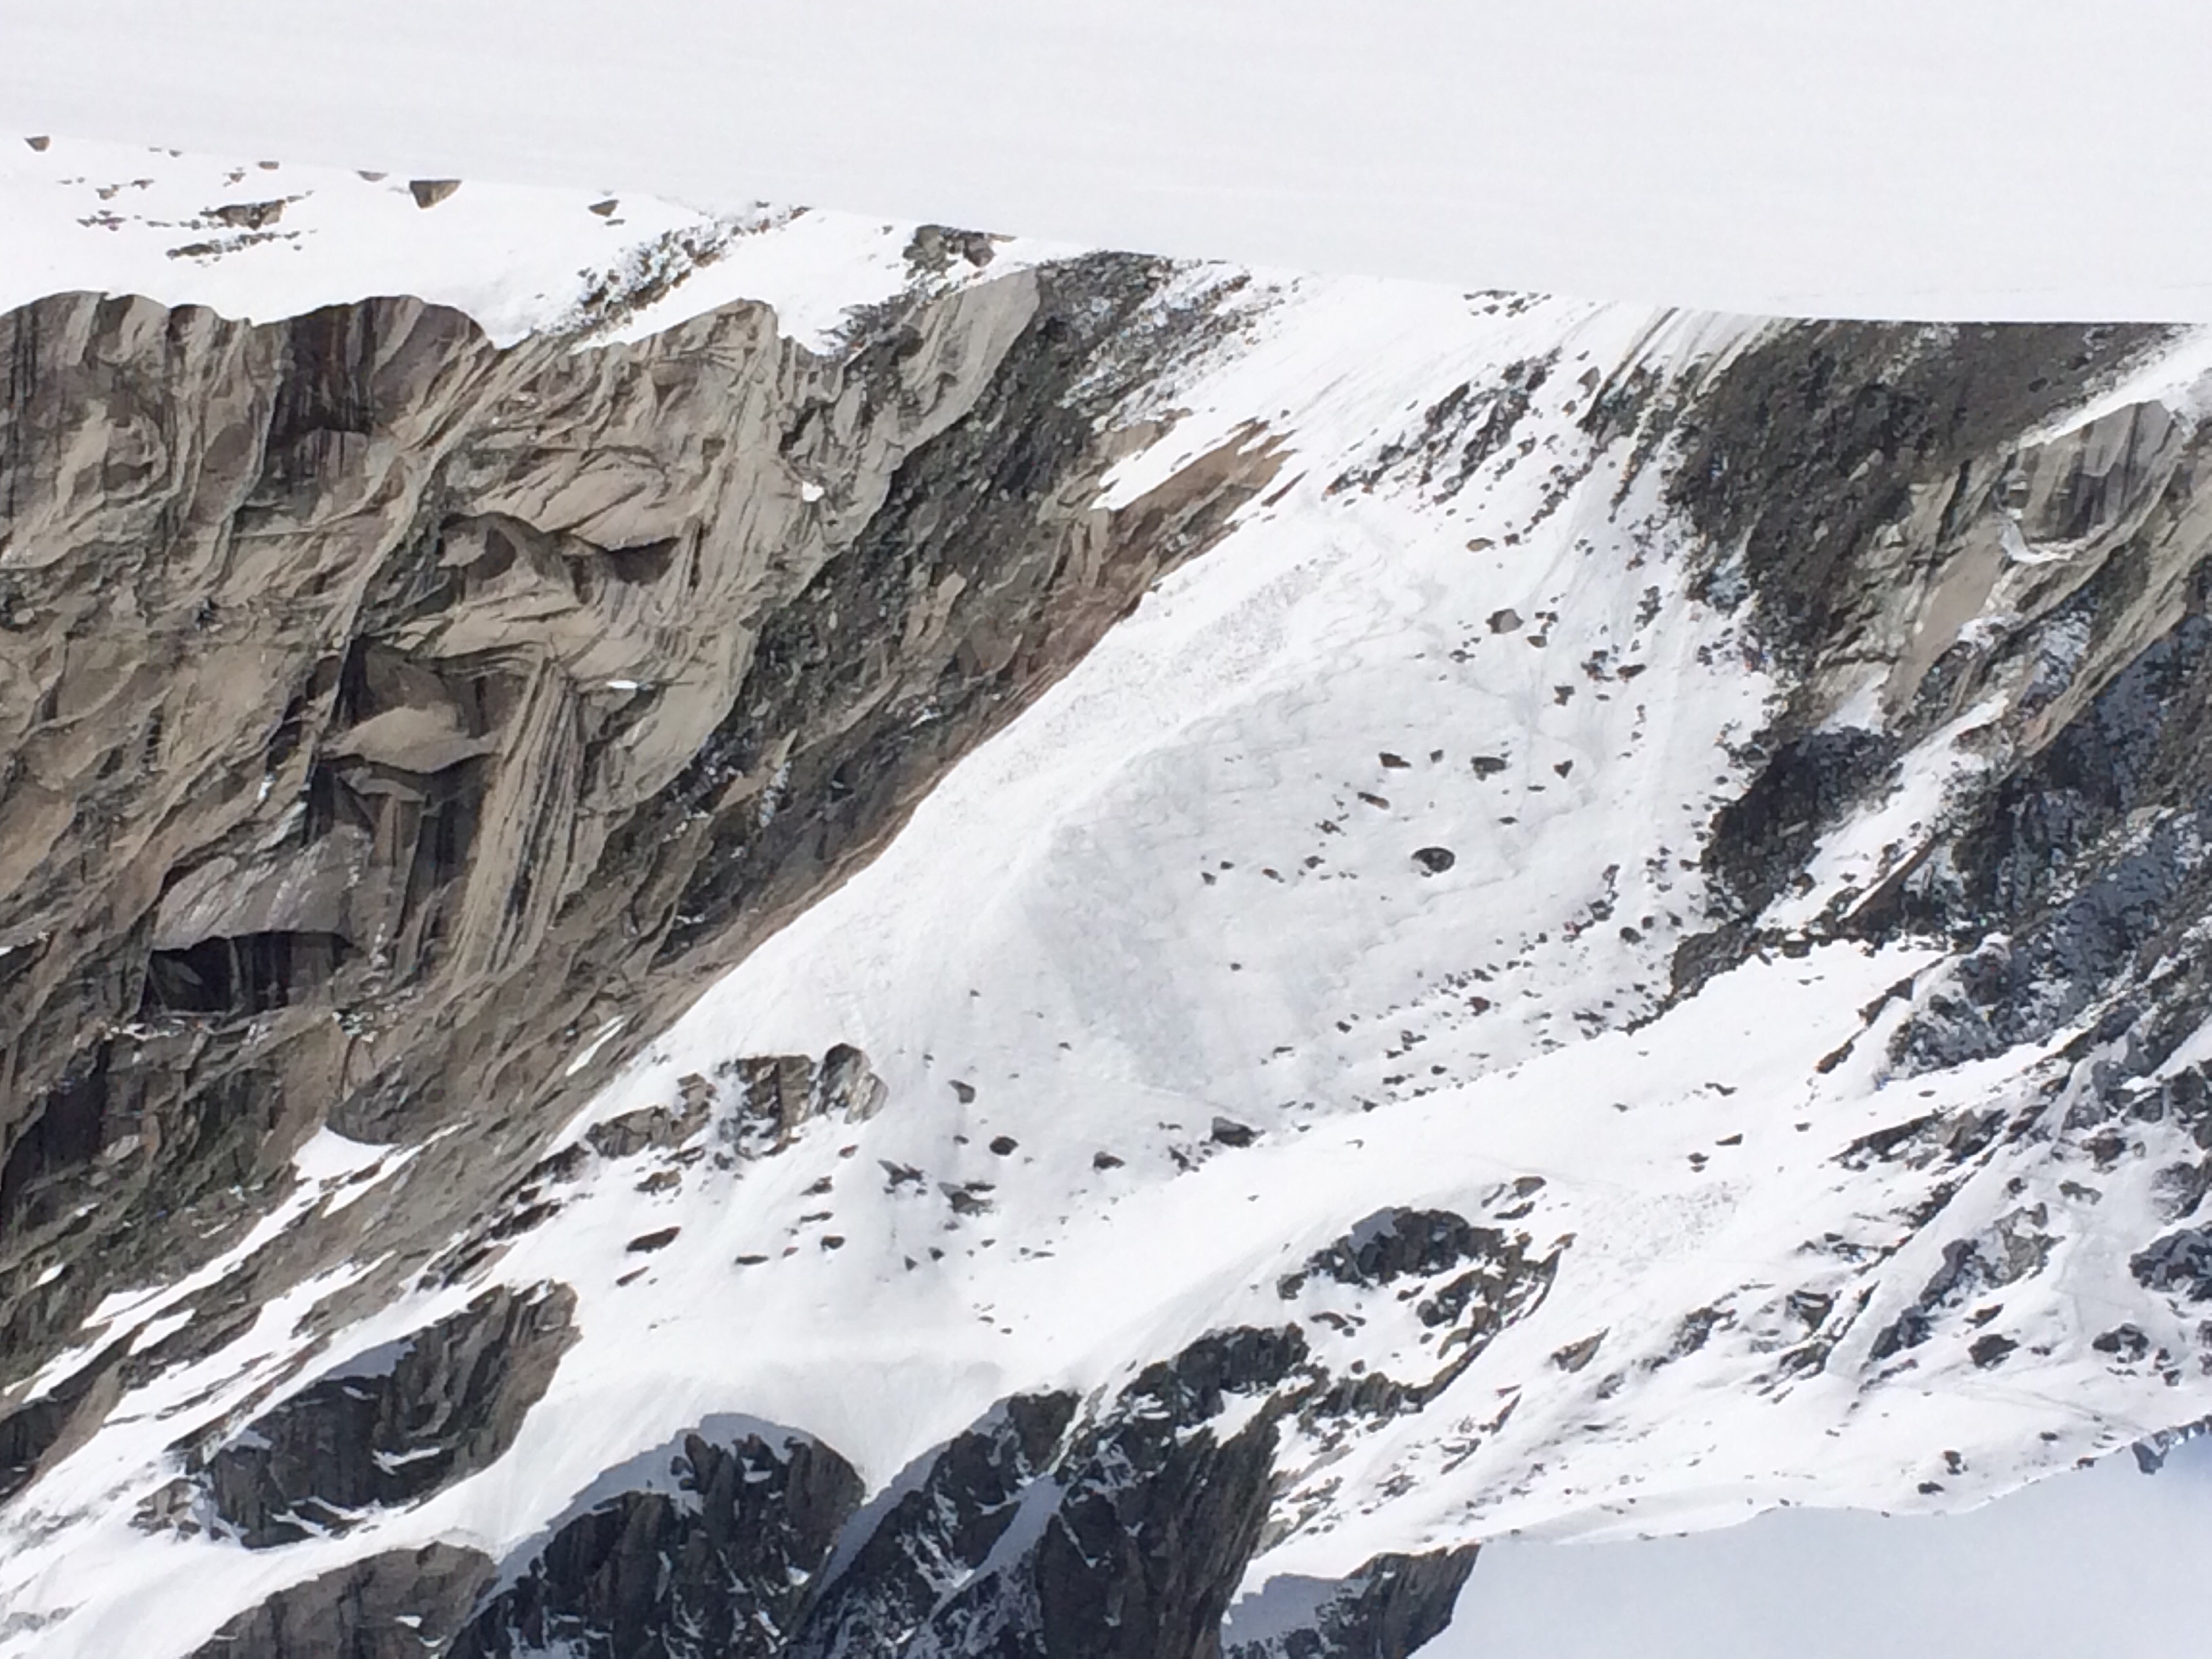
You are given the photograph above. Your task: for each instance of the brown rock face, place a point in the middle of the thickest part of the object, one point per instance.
(385, 717)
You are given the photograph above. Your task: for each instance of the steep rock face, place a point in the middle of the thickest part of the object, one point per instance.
(1041, 1533)
(393, 1427)
(934, 1536)
(392, 722)
(2018, 612)
(1156, 1511)
(1879, 501)
(722, 1566)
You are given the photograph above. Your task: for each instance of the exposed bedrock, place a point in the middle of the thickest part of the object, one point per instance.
(1914, 526)
(392, 1426)
(1042, 1532)
(387, 718)
(1392, 1606)
(722, 1563)
(1960, 573)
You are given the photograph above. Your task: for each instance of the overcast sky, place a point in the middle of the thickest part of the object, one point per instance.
(1955, 157)
(2103, 1562)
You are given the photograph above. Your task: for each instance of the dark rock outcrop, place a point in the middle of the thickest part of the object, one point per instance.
(38, 1430)
(2180, 1262)
(400, 1605)
(1393, 1244)
(1809, 449)
(723, 1564)
(1860, 493)
(390, 1427)
(1152, 1519)
(396, 729)
(1390, 1607)
(931, 1537)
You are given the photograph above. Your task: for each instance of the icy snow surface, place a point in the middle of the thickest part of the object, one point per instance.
(1185, 886)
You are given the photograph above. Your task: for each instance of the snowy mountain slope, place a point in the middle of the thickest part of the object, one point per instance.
(1620, 952)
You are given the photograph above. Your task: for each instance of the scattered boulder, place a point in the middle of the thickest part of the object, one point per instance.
(1576, 1355)
(2126, 1342)
(1435, 860)
(248, 215)
(935, 248)
(848, 1087)
(1991, 1351)
(778, 1094)
(655, 1126)
(428, 192)
(1228, 1132)
(2181, 1262)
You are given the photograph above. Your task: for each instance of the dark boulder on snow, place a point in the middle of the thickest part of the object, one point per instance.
(2180, 1262)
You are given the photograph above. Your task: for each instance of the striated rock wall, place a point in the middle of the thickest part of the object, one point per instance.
(390, 721)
